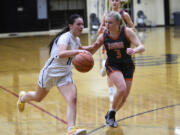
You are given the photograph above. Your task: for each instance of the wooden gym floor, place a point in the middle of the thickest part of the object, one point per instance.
(152, 108)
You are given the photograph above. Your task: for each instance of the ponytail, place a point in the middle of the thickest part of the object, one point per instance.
(71, 20)
(66, 29)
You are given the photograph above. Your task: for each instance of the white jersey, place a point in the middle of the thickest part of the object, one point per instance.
(61, 66)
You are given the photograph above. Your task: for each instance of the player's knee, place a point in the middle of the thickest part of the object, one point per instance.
(72, 100)
(38, 99)
(121, 89)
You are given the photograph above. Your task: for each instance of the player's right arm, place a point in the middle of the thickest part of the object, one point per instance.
(63, 52)
(96, 45)
(102, 26)
(128, 20)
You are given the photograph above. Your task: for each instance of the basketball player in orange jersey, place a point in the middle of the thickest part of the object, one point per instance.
(115, 6)
(117, 40)
(58, 71)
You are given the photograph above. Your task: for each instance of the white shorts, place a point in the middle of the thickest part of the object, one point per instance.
(47, 82)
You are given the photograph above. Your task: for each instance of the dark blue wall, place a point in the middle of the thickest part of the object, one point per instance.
(20, 21)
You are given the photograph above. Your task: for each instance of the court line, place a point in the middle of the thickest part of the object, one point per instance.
(131, 116)
(38, 107)
(94, 130)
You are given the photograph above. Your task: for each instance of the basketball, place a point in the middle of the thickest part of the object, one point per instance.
(83, 62)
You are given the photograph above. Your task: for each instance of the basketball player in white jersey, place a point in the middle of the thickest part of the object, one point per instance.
(58, 71)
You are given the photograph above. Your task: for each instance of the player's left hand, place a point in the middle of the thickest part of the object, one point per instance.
(130, 51)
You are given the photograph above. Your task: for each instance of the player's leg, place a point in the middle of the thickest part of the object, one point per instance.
(70, 94)
(68, 89)
(128, 84)
(118, 80)
(37, 96)
(128, 75)
(44, 84)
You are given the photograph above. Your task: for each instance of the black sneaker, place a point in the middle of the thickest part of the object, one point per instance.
(110, 119)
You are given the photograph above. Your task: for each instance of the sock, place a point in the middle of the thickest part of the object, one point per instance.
(22, 99)
(111, 90)
(71, 127)
(112, 110)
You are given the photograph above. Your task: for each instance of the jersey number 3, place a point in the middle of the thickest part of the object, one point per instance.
(118, 52)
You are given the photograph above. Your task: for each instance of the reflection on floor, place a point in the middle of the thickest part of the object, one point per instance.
(153, 105)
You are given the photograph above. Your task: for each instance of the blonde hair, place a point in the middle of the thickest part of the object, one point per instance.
(116, 16)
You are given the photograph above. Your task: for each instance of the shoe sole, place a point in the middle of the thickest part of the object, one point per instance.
(19, 100)
(18, 107)
(81, 133)
(107, 125)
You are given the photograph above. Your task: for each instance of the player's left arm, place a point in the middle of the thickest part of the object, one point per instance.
(63, 52)
(134, 40)
(128, 20)
(102, 25)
